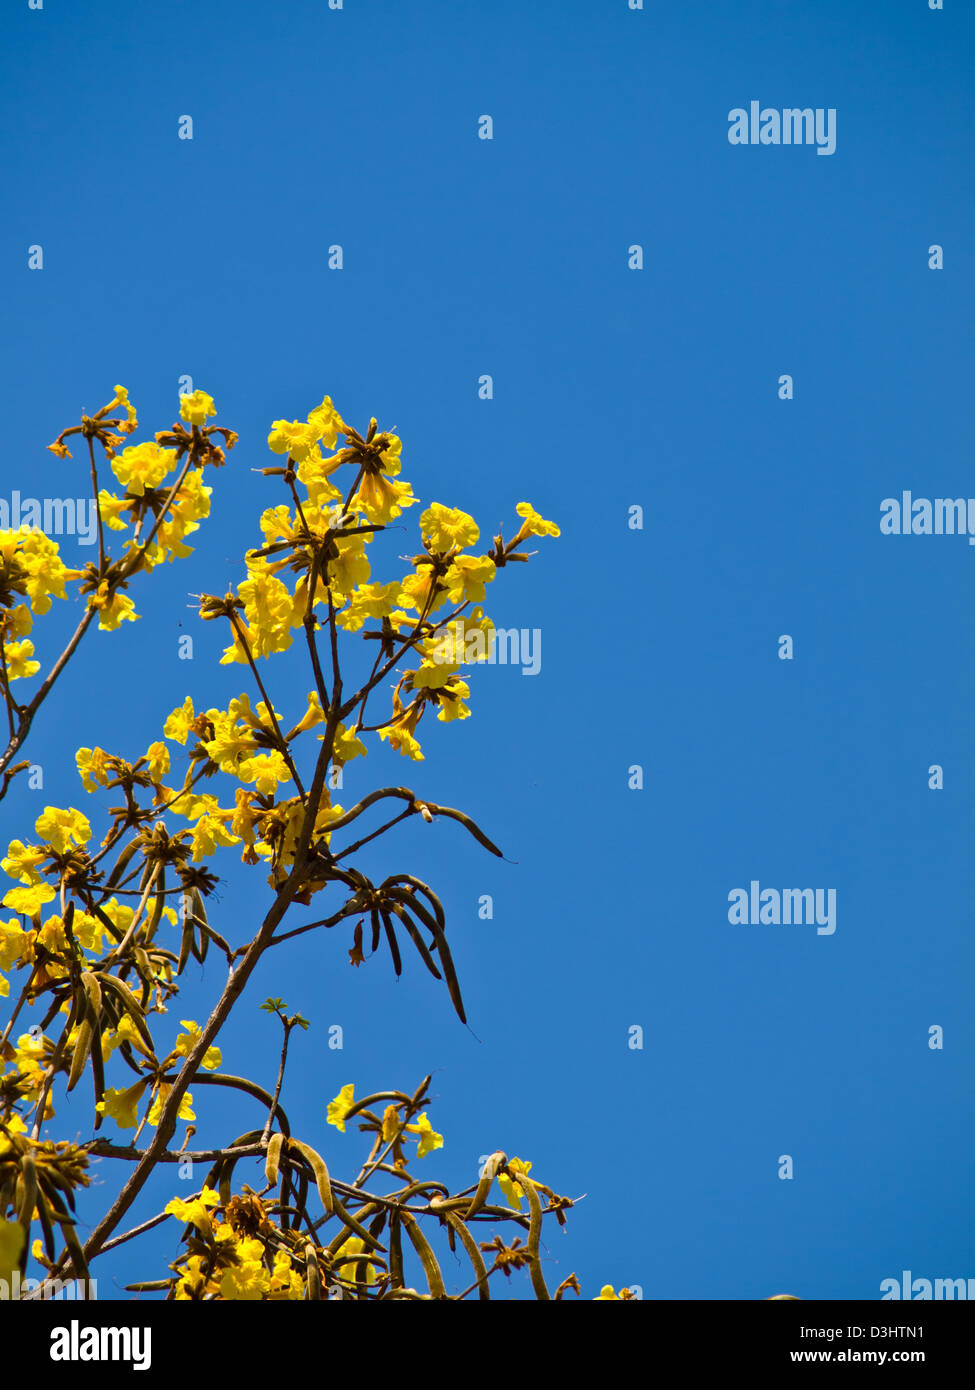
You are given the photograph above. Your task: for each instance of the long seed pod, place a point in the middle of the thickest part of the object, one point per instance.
(473, 1254)
(534, 1236)
(132, 1008)
(81, 1048)
(321, 1172)
(313, 1273)
(427, 1258)
(488, 1173)
(27, 1188)
(354, 1227)
(187, 944)
(98, 1080)
(446, 960)
(273, 1158)
(393, 944)
(416, 938)
(74, 1246)
(396, 1250)
(94, 992)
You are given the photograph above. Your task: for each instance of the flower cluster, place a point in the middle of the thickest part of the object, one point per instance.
(101, 927)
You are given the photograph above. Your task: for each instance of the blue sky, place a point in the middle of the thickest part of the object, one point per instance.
(612, 388)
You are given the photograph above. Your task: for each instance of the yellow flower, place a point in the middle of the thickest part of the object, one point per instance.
(130, 425)
(607, 1293)
(16, 621)
(391, 1123)
(247, 1279)
(429, 1138)
(451, 700)
(381, 499)
(286, 1282)
(91, 930)
(112, 608)
(512, 1188)
(16, 945)
(467, 577)
(270, 611)
(446, 527)
(63, 828)
(29, 900)
(230, 741)
(313, 715)
(349, 567)
(416, 589)
(348, 745)
(195, 1211)
(93, 767)
(185, 1111)
(533, 524)
(177, 726)
(186, 1042)
(39, 560)
(126, 1032)
(327, 423)
(157, 756)
(18, 658)
(208, 833)
(195, 406)
(122, 1105)
(142, 466)
(369, 601)
(21, 860)
(110, 510)
(465, 639)
(265, 770)
(313, 472)
(193, 1280)
(432, 675)
(340, 1107)
(402, 741)
(11, 1244)
(355, 1245)
(294, 437)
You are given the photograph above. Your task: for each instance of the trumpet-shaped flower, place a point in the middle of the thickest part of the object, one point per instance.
(122, 1105)
(443, 528)
(142, 466)
(194, 1212)
(195, 406)
(533, 524)
(63, 828)
(340, 1107)
(18, 659)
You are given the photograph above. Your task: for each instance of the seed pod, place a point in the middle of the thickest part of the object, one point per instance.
(273, 1158)
(488, 1174)
(320, 1171)
(313, 1273)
